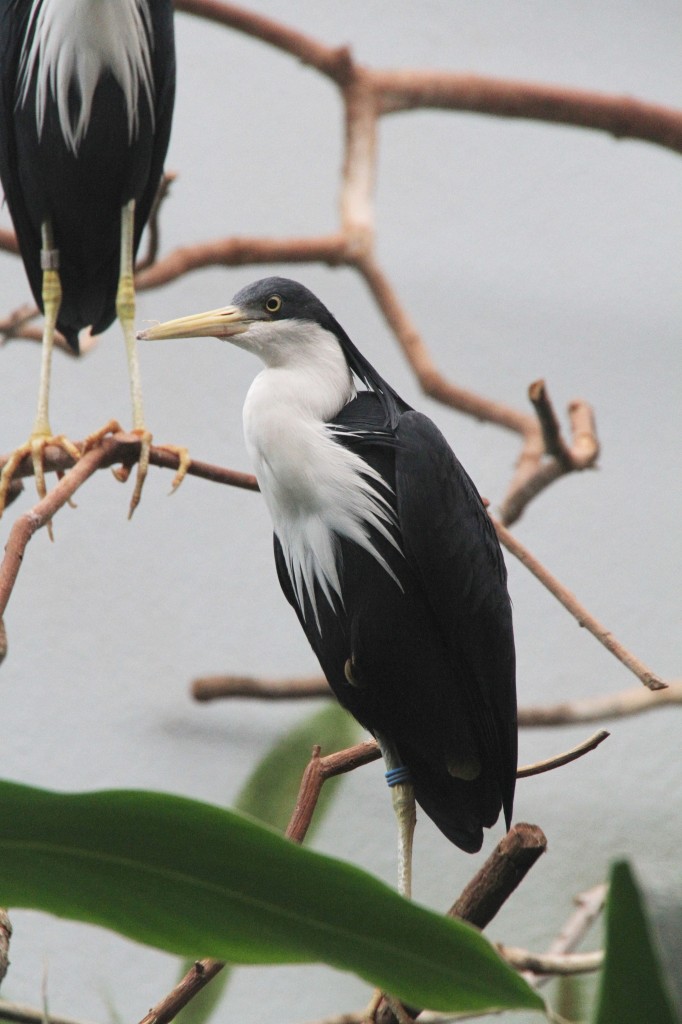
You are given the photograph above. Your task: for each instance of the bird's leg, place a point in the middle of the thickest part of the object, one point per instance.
(125, 309)
(42, 435)
(402, 795)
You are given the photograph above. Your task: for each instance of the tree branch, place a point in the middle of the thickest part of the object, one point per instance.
(561, 759)
(551, 964)
(577, 610)
(590, 709)
(5, 936)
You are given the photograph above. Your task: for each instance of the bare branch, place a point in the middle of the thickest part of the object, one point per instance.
(538, 468)
(620, 116)
(5, 936)
(597, 709)
(591, 709)
(577, 610)
(153, 233)
(8, 241)
(502, 873)
(410, 89)
(500, 876)
(589, 906)
(213, 687)
(21, 1014)
(328, 61)
(125, 448)
(551, 963)
(236, 252)
(561, 759)
(199, 975)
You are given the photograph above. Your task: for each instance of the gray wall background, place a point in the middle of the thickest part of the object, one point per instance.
(521, 250)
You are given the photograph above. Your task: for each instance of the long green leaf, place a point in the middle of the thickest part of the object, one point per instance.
(196, 880)
(632, 989)
(270, 795)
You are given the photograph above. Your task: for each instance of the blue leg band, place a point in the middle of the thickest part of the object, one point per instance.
(394, 776)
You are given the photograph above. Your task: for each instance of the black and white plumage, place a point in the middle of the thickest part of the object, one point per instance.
(86, 102)
(385, 551)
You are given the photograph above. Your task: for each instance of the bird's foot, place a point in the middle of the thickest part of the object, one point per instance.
(184, 462)
(123, 472)
(34, 449)
(97, 436)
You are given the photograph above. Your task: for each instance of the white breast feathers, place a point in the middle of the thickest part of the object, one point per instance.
(316, 490)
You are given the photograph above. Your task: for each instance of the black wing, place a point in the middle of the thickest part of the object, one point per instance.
(451, 544)
(433, 659)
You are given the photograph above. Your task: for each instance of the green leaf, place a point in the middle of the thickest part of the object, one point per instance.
(270, 795)
(632, 988)
(196, 880)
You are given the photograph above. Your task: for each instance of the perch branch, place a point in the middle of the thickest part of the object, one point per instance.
(489, 889)
(501, 874)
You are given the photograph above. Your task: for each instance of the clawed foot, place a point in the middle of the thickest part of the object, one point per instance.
(35, 448)
(122, 473)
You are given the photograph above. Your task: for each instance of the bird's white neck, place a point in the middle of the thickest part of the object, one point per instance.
(74, 43)
(316, 489)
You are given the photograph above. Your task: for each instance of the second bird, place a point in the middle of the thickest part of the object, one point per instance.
(86, 103)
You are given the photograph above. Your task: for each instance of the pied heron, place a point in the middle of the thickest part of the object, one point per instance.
(388, 556)
(86, 103)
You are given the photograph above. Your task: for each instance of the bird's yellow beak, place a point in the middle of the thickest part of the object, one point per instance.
(217, 323)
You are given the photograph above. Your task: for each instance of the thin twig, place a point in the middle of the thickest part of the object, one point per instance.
(598, 709)
(21, 1014)
(589, 905)
(198, 976)
(577, 610)
(551, 964)
(152, 229)
(561, 759)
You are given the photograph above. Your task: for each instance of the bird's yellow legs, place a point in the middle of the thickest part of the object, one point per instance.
(42, 435)
(125, 310)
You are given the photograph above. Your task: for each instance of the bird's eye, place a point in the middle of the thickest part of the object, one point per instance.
(273, 304)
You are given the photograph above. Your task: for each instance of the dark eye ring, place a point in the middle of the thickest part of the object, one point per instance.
(273, 304)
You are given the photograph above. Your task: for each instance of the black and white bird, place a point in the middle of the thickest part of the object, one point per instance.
(388, 556)
(86, 103)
